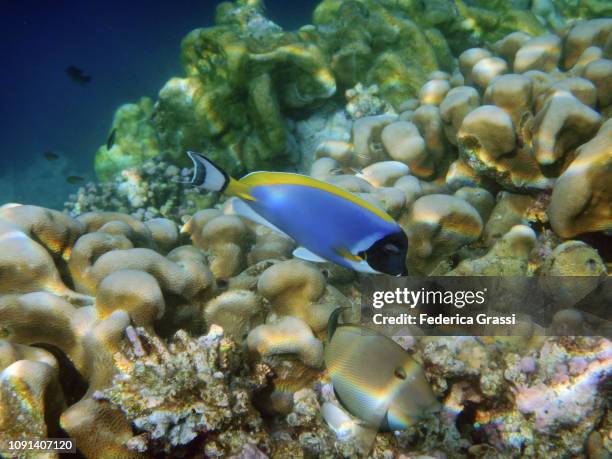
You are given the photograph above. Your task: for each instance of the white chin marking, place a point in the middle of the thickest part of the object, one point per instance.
(363, 267)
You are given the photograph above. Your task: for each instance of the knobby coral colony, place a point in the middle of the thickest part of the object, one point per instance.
(148, 323)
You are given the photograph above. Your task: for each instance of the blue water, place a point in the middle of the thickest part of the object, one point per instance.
(130, 48)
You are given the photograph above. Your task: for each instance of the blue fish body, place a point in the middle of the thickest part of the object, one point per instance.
(321, 221)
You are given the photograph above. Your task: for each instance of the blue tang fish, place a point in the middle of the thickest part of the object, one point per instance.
(327, 222)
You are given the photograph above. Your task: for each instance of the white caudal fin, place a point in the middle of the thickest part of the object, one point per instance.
(207, 174)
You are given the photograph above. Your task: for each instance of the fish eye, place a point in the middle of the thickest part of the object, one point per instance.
(391, 248)
(400, 373)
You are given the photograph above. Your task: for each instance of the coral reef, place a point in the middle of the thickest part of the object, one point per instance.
(530, 137)
(146, 190)
(96, 275)
(552, 402)
(136, 140)
(148, 319)
(240, 77)
(207, 395)
(74, 286)
(245, 78)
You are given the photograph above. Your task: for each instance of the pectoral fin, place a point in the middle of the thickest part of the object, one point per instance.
(347, 255)
(356, 262)
(305, 254)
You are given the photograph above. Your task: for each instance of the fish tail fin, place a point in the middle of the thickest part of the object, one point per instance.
(239, 189)
(211, 177)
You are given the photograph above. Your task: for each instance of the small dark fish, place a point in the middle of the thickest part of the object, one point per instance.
(50, 156)
(111, 139)
(77, 75)
(75, 179)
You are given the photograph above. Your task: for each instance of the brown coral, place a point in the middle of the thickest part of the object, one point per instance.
(289, 335)
(298, 289)
(438, 225)
(581, 197)
(31, 398)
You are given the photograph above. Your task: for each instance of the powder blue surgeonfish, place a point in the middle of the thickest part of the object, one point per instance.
(327, 222)
(375, 379)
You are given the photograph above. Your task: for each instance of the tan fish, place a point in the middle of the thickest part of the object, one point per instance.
(375, 379)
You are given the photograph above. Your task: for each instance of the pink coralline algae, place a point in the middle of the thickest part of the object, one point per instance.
(570, 397)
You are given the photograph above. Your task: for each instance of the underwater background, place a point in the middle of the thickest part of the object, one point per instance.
(200, 201)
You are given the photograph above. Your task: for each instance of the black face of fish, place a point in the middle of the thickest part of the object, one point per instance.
(388, 255)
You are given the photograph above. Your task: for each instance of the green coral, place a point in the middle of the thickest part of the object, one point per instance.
(243, 75)
(583, 9)
(241, 78)
(135, 140)
(372, 44)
